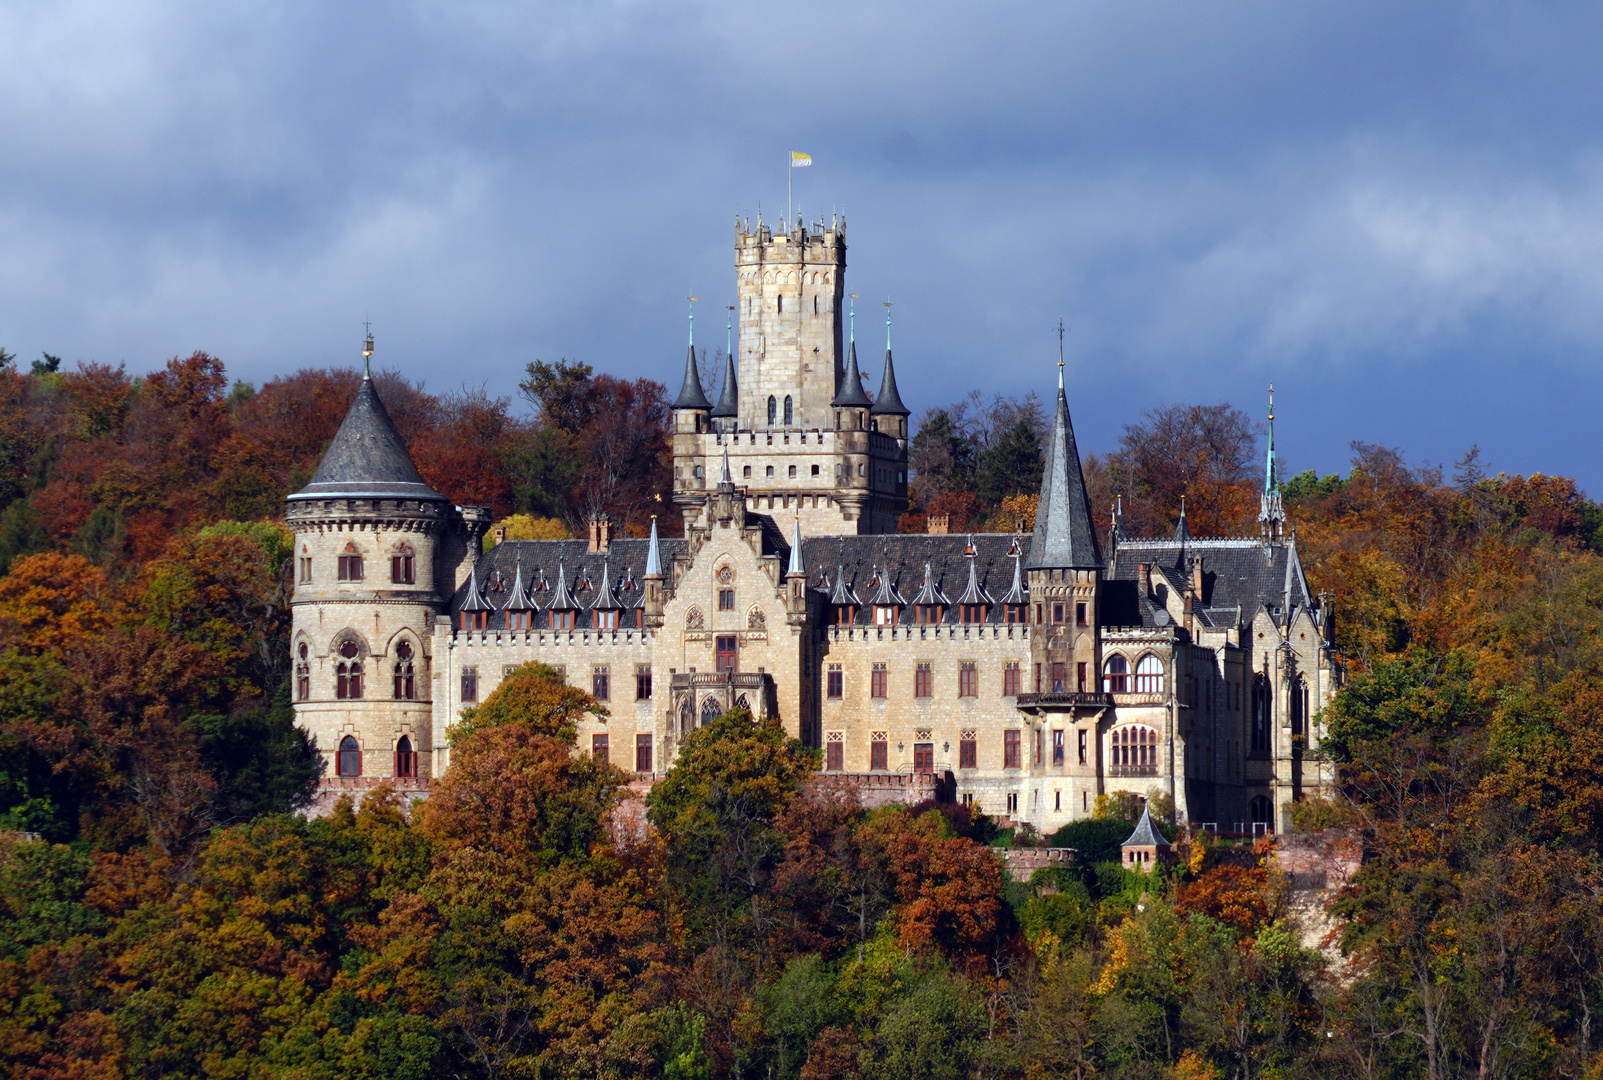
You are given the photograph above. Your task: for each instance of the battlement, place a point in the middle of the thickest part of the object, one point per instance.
(760, 242)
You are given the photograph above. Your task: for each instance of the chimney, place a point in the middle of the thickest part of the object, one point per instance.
(500, 535)
(1143, 577)
(938, 524)
(1196, 578)
(600, 534)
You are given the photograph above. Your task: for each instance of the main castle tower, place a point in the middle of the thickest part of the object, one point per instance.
(797, 428)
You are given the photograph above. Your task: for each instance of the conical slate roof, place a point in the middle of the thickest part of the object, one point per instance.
(367, 458)
(728, 399)
(691, 396)
(1064, 538)
(851, 385)
(1146, 834)
(889, 402)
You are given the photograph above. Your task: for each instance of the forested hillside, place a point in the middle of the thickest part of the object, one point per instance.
(164, 911)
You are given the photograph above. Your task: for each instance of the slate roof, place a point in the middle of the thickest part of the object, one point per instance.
(852, 563)
(568, 565)
(368, 458)
(889, 402)
(1146, 834)
(691, 396)
(729, 397)
(851, 391)
(1237, 574)
(1064, 536)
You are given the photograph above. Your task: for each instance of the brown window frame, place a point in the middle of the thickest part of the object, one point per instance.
(968, 753)
(834, 682)
(834, 757)
(923, 679)
(601, 749)
(879, 753)
(968, 679)
(878, 680)
(643, 752)
(1012, 749)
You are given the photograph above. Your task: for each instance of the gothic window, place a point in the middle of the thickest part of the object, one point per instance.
(405, 675)
(1135, 746)
(790, 414)
(1262, 716)
(405, 758)
(773, 414)
(402, 568)
(348, 673)
(1010, 678)
(348, 762)
(601, 682)
(350, 564)
(968, 679)
(876, 681)
(303, 673)
(1261, 810)
(1116, 675)
(1149, 675)
(710, 708)
(470, 685)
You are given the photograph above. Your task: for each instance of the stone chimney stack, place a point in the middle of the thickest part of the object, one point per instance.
(600, 534)
(939, 524)
(1143, 577)
(500, 535)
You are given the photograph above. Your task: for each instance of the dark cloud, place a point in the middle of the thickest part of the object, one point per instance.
(1391, 210)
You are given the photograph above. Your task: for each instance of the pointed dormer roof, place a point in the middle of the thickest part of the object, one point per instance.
(974, 594)
(851, 393)
(367, 458)
(520, 598)
(653, 553)
(1120, 531)
(1182, 531)
(931, 592)
(889, 402)
(605, 600)
(561, 598)
(475, 601)
(691, 395)
(886, 594)
(1146, 834)
(843, 595)
(729, 397)
(1064, 537)
(1018, 594)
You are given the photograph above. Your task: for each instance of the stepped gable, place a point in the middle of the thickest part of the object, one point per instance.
(903, 558)
(368, 458)
(1236, 572)
(625, 567)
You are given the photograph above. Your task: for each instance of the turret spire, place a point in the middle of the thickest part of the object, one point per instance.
(851, 384)
(728, 406)
(1271, 512)
(796, 568)
(691, 396)
(1064, 536)
(653, 553)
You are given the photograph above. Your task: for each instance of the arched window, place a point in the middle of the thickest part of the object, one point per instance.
(1262, 811)
(405, 758)
(773, 410)
(350, 564)
(405, 676)
(1149, 675)
(710, 710)
(1116, 675)
(1299, 704)
(348, 762)
(348, 674)
(1262, 716)
(303, 673)
(790, 416)
(403, 569)
(1135, 750)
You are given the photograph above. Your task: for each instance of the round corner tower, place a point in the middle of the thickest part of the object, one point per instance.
(374, 554)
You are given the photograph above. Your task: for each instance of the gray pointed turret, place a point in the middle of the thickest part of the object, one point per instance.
(367, 458)
(1064, 537)
(797, 568)
(851, 393)
(889, 402)
(653, 553)
(691, 396)
(728, 406)
(1146, 834)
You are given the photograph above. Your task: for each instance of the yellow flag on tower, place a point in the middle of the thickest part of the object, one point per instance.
(799, 160)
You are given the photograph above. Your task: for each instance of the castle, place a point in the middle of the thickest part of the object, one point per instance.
(1028, 673)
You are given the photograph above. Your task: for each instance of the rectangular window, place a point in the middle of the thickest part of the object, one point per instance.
(470, 684)
(876, 681)
(1013, 613)
(924, 757)
(402, 571)
(306, 569)
(1037, 678)
(724, 653)
(834, 756)
(726, 599)
(1057, 800)
(879, 755)
(1040, 738)
(1079, 614)
(1057, 613)
(1080, 677)
(643, 753)
(1057, 746)
(599, 750)
(350, 568)
(606, 619)
(885, 615)
(923, 680)
(968, 754)
(601, 682)
(561, 620)
(1010, 679)
(1059, 678)
(836, 681)
(642, 682)
(1082, 746)
(968, 679)
(1011, 758)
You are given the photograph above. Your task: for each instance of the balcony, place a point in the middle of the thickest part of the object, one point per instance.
(1132, 770)
(698, 696)
(1066, 700)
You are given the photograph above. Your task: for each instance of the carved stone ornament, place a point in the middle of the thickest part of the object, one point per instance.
(726, 574)
(693, 619)
(756, 620)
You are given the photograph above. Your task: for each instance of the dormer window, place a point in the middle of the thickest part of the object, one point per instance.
(845, 614)
(1012, 614)
(972, 613)
(885, 615)
(929, 614)
(563, 619)
(606, 619)
(475, 620)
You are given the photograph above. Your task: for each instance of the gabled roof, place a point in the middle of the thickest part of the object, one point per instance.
(367, 458)
(1146, 834)
(1064, 537)
(561, 598)
(889, 402)
(691, 395)
(605, 599)
(851, 392)
(886, 594)
(1017, 593)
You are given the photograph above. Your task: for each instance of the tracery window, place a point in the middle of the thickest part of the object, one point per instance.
(405, 675)
(348, 673)
(1149, 675)
(348, 762)
(1135, 746)
(790, 412)
(773, 414)
(1116, 675)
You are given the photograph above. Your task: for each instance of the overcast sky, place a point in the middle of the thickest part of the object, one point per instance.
(1393, 211)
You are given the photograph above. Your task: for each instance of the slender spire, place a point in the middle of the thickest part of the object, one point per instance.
(851, 316)
(1271, 511)
(729, 397)
(367, 354)
(653, 553)
(889, 401)
(887, 324)
(1182, 531)
(692, 320)
(691, 395)
(796, 568)
(724, 475)
(851, 385)
(1064, 536)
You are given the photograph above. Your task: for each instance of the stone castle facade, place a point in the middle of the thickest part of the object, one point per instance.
(1029, 672)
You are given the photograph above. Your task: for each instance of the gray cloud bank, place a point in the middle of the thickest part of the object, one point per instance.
(1393, 211)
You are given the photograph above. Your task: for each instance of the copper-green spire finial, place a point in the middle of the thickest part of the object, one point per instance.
(887, 324)
(851, 316)
(1061, 330)
(692, 306)
(729, 332)
(367, 349)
